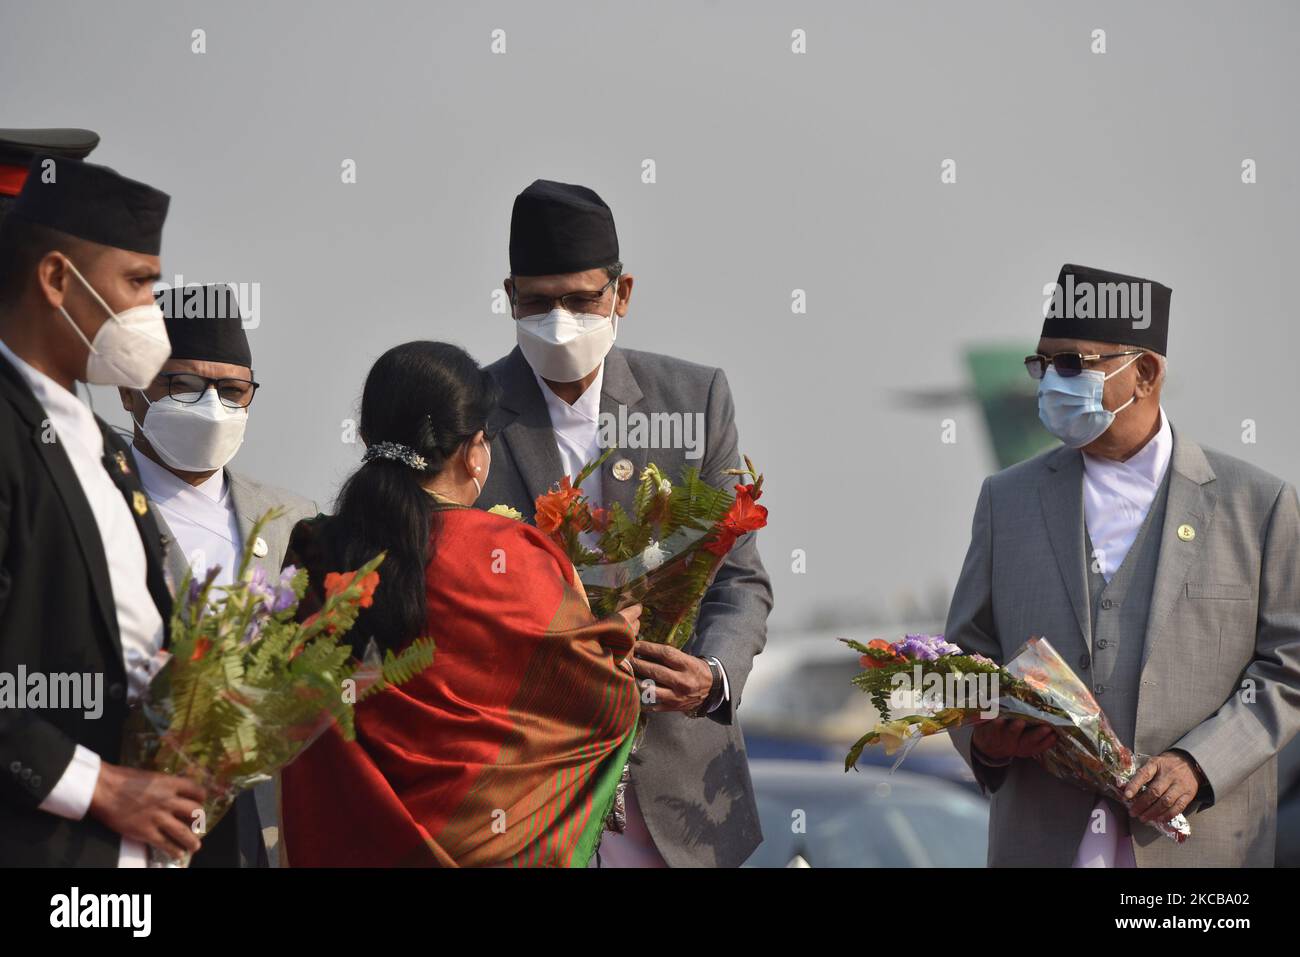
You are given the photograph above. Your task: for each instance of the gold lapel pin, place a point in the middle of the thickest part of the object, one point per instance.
(1186, 532)
(120, 458)
(622, 469)
(139, 503)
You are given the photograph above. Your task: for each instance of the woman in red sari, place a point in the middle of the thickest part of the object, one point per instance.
(508, 750)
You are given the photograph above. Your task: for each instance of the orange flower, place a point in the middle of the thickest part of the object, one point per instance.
(368, 586)
(336, 582)
(873, 661)
(552, 507)
(201, 648)
(743, 516)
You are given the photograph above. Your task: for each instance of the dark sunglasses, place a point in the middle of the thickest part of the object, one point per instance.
(1068, 364)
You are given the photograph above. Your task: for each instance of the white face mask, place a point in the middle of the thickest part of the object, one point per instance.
(563, 346)
(194, 437)
(129, 348)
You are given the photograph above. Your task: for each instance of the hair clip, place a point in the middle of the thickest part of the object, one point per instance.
(396, 452)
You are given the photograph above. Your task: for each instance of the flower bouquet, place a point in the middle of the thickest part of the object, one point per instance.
(663, 554)
(923, 685)
(245, 688)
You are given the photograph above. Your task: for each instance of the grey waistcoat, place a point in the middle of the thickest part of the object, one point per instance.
(1119, 621)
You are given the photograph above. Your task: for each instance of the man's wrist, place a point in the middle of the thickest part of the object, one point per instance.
(716, 690)
(984, 759)
(1197, 771)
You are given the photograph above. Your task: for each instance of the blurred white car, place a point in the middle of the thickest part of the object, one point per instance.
(814, 814)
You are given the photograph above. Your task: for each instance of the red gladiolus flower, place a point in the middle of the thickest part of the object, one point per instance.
(336, 582)
(876, 661)
(743, 516)
(552, 507)
(307, 623)
(201, 648)
(368, 586)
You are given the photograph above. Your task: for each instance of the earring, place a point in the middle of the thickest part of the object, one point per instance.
(478, 468)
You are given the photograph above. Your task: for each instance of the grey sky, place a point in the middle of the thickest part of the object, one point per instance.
(775, 172)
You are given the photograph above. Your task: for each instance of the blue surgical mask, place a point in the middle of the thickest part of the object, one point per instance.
(1071, 407)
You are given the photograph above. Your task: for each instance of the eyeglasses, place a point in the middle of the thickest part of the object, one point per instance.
(189, 388)
(1068, 364)
(575, 302)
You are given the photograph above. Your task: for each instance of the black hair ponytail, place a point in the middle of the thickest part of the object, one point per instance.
(431, 397)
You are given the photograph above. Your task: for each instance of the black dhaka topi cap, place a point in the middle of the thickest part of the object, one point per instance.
(560, 228)
(204, 322)
(1103, 306)
(93, 203)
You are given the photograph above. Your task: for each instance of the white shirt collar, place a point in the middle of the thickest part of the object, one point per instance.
(584, 411)
(72, 419)
(1149, 463)
(164, 486)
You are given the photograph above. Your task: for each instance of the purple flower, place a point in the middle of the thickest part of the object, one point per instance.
(284, 596)
(272, 596)
(253, 631)
(197, 584)
(259, 589)
(927, 647)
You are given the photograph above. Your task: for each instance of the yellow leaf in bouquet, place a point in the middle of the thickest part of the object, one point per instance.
(928, 726)
(893, 734)
(949, 716)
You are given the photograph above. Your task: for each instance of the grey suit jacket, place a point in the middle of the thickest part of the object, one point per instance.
(1220, 663)
(691, 775)
(255, 815)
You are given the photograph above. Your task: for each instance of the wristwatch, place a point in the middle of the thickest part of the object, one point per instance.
(715, 692)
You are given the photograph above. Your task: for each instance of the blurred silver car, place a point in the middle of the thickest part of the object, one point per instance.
(815, 815)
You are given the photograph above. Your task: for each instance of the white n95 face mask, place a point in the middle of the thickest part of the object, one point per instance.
(202, 436)
(129, 348)
(564, 346)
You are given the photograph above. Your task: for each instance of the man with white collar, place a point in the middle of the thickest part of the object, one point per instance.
(1164, 573)
(189, 423)
(690, 801)
(82, 589)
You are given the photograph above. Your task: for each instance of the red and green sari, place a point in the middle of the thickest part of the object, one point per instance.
(507, 751)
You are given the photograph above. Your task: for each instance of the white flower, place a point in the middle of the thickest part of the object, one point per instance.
(653, 556)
